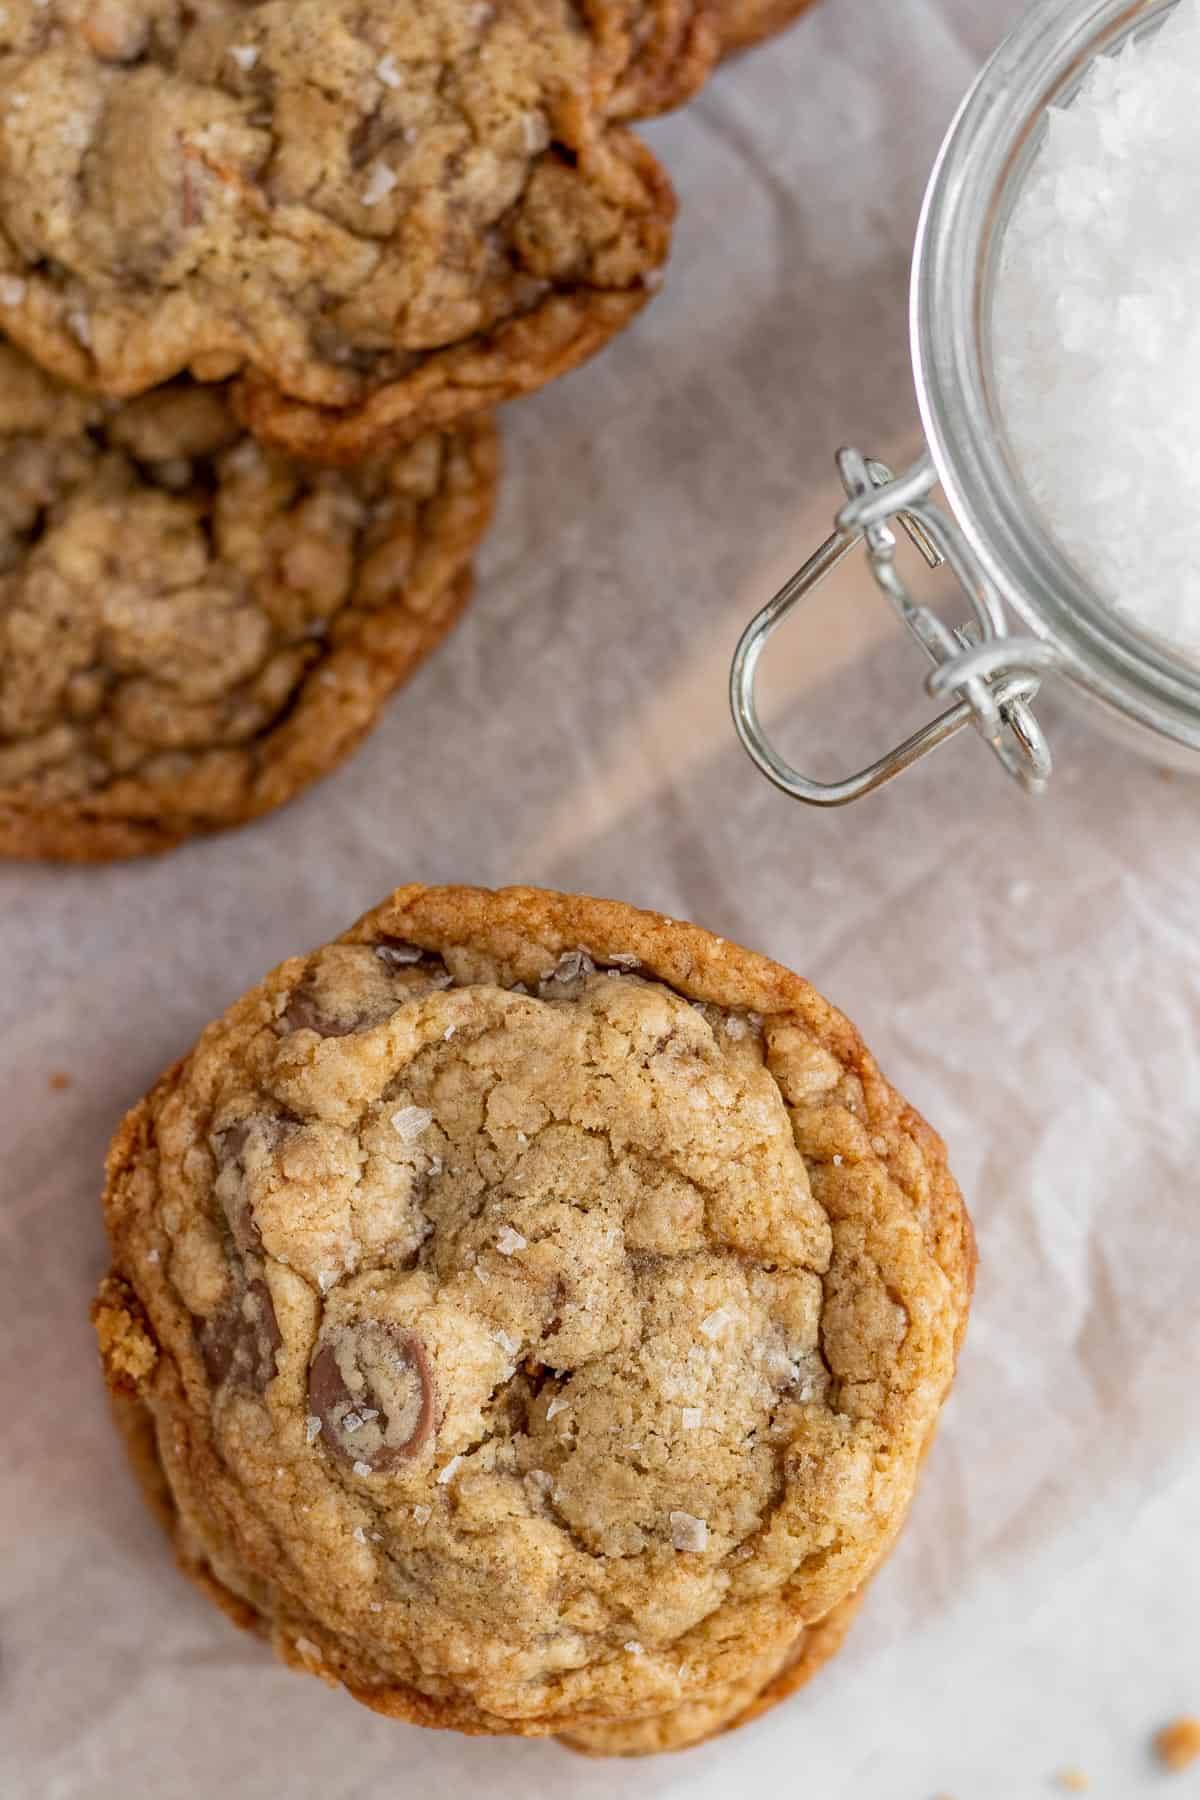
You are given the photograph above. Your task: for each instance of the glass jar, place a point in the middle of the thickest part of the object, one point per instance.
(993, 539)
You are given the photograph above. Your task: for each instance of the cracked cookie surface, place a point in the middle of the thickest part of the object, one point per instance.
(542, 1309)
(379, 215)
(192, 628)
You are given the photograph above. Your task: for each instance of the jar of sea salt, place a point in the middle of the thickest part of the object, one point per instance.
(1055, 329)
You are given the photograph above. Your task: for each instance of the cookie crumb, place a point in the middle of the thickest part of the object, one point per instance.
(1177, 1745)
(692, 1416)
(12, 290)
(60, 1080)
(1073, 1780)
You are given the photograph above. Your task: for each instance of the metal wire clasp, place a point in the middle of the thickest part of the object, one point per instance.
(992, 676)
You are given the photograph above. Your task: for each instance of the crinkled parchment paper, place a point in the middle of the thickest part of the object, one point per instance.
(1028, 974)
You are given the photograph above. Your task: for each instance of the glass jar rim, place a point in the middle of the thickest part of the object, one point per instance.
(987, 149)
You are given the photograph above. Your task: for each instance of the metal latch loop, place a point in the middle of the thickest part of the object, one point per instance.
(992, 676)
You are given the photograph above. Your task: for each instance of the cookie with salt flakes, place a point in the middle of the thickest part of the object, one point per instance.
(541, 1310)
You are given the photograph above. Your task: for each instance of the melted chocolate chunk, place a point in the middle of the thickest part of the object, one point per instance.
(371, 1386)
(239, 1343)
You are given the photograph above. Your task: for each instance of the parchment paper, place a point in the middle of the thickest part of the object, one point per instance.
(1028, 974)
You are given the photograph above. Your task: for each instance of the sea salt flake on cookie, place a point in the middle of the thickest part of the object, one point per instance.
(412, 1122)
(380, 183)
(688, 1532)
(717, 1323)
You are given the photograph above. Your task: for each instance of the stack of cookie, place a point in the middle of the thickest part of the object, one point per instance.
(532, 1314)
(246, 245)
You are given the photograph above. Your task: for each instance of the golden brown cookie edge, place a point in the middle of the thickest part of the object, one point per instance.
(320, 731)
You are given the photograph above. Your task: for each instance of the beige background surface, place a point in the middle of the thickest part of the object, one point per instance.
(1029, 974)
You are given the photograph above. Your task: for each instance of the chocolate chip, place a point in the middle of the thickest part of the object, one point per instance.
(239, 1342)
(303, 1014)
(230, 1147)
(371, 1386)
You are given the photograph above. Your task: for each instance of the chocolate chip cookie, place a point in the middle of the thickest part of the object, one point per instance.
(542, 1309)
(381, 216)
(193, 628)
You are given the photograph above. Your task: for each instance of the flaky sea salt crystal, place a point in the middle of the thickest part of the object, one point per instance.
(509, 1345)
(634, 1648)
(422, 1514)
(12, 290)
(363, 1468)
(152, 1256)
(306, 1647)
(380, 183)
(450, 1471)
(326, 1278)
(838, 1159)
(387, 71)
(535, 131)
(557, 1405)
(411, 1122)
(688, 1532)
(244, 55)
(508, 1240)
(312, 1428)
(1096, 328)
(481, 1275)
(376, 1605)
(716, 1322)
(360, 1536)
(692, 1416)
